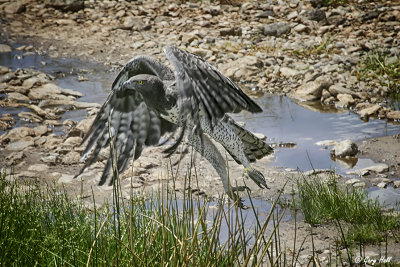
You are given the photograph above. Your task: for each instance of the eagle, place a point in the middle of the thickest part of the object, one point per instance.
(149, 100)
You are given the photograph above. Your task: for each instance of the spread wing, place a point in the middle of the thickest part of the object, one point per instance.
(203, 89)
(126, 120)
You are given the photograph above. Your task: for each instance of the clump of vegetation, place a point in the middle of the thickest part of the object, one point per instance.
(326, 46)
(383, 67)
(325, 201)
(46, 227)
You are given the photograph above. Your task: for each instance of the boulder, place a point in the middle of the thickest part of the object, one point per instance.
(312, 90)
(346, 148)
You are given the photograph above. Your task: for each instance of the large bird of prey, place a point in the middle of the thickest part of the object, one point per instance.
(148, 99)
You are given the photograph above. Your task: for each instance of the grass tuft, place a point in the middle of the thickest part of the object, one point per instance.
(384, 68)
(323, 201)
(44, 226)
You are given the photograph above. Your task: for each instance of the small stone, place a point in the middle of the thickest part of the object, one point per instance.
(234, 31)
(301, 28)
(368, 111)
(40, 130)
(276, 29)
(265, 14)
(65, 179)
(393, 115)
(81, 128)
(38, 168)
(292, 15)
(396, 184)
(326, 143)
(345, 100)
(288, 72)
(71, 157)
(73, 140)
(15, 157)
(66, 5)
(316, 14)
(382, 185)
(346, 148)
(336, 89)
(17, 97)
(29, 116)
(15, 7)
(50, 158)
(21, 144)
(312, 90)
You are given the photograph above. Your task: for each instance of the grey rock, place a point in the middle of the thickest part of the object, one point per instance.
(288, 72)
(346, 148)
(41, 130)
(71, 157)
(21, 144)
(29, 116)
(17, 134)
(382, 185)
(50, 158)
(65, 179)
(14, 158)
(234, 31)
(17, 97)
(336, 89)
(393, 115)
(336, 20)
(81, 128)
(312, 90)
(301, 28)
(345, 100)
(49, 91)
(292, 15)
(316, 14)
(66, 5)
(368, 111)
(5, 78)
(396, 184)
(15, 7)
(370, 15)
(38, 168)
(265, 14)
(276, 29)
(73, 140)
(242, 68)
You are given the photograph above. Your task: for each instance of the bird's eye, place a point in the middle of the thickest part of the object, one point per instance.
(140, 82)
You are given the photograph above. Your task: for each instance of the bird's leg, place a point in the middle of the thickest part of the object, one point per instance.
(207, 149)
(222, 133)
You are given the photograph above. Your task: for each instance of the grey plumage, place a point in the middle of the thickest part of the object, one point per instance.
(149, 100)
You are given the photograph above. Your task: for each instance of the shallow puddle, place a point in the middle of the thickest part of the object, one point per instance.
(284, 121)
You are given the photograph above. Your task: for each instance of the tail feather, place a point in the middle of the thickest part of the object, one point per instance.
(254, 147)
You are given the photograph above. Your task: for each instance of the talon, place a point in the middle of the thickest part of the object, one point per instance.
(237, 199)
(256, 176)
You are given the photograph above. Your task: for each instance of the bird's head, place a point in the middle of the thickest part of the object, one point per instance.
(149, 86)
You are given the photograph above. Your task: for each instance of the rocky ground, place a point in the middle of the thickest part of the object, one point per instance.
(296, 48)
